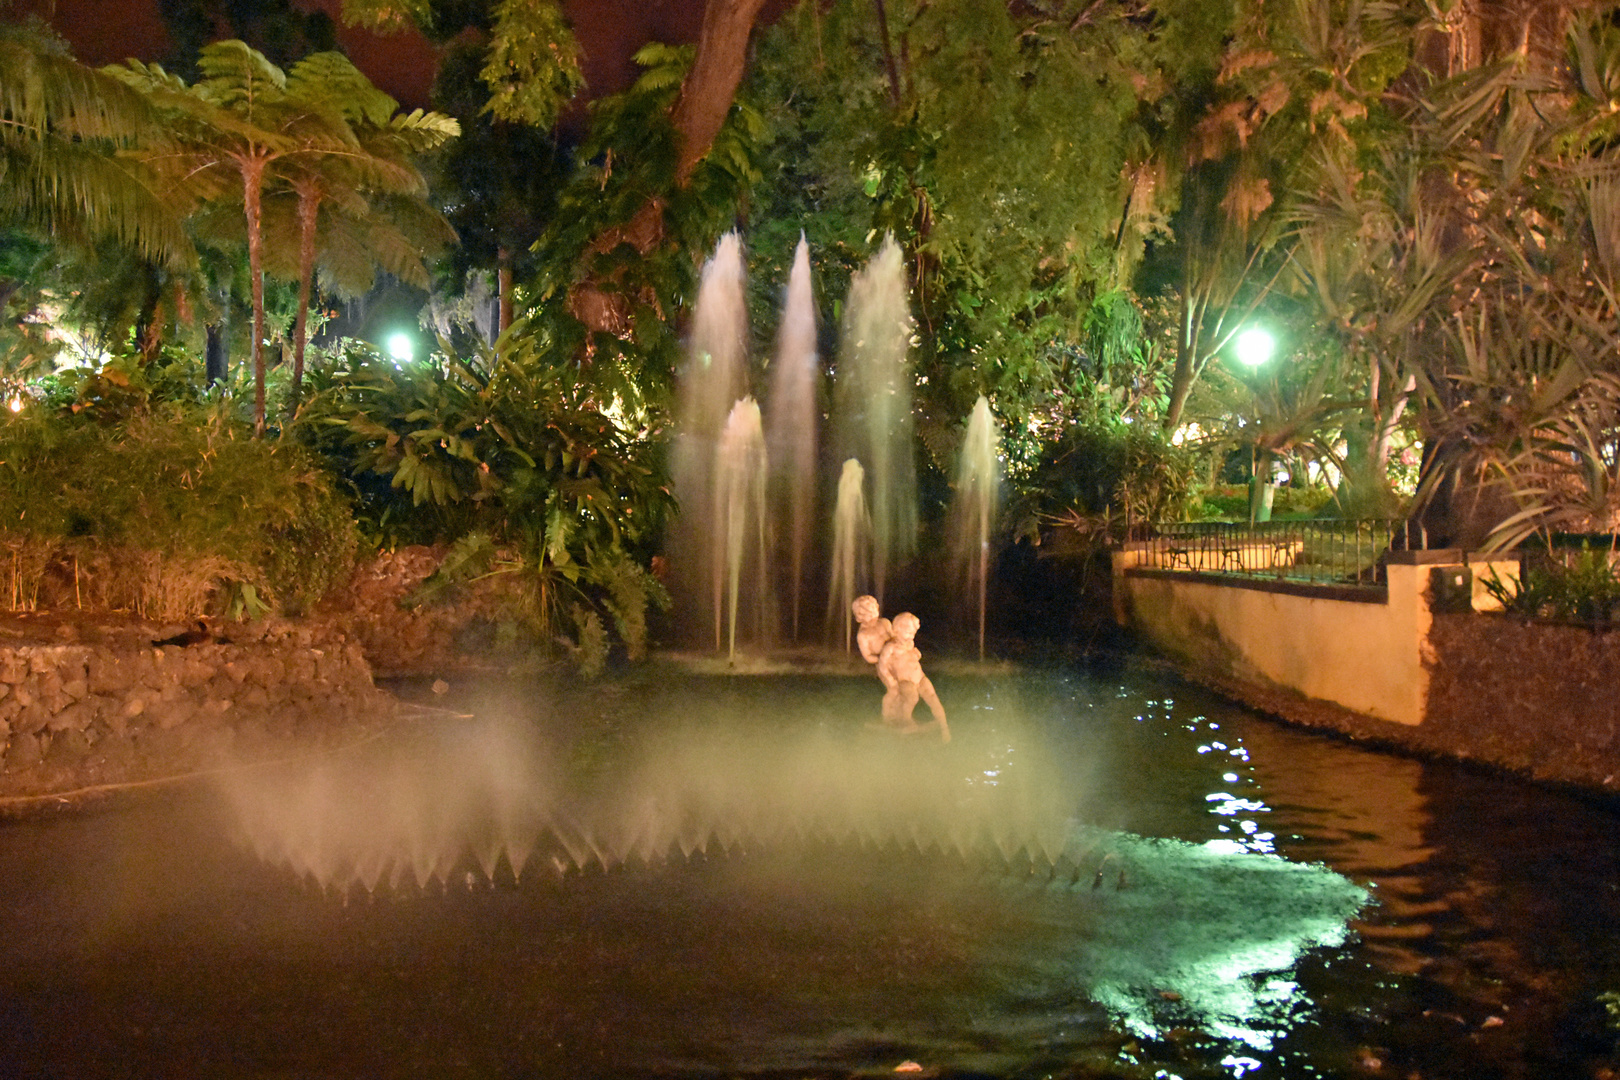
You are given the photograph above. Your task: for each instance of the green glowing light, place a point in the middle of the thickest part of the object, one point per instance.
(1254, 346)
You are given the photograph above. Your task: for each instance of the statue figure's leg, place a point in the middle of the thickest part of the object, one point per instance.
(926, 689)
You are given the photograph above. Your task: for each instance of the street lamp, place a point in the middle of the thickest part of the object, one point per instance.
(1253, 347)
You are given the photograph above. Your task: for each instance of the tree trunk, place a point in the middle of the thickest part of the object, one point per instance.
(149, 324)
(309, 208)
(717, 70)
(252, 180)
(706, 97)
(503, 287)
(1181, 381)
(888, 55)
(216, 354)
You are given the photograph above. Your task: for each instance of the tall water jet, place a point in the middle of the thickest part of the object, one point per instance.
(852, 539)
(973, 508)
(739, 502)
(792, 426)
(874, 404)
(713, 378)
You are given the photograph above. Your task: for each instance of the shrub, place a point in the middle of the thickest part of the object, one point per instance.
(1584, 589)
(514, 463)
(1100, 470)
(170, 512)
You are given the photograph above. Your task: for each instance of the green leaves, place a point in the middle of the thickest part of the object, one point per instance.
(258, 517)
(491, 444)
(532, 69)
(64, 124)
(500, 447)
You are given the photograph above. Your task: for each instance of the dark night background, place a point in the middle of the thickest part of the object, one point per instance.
(609, 32)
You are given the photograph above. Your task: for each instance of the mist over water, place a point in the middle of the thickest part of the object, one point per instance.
(782, 782)
(675, 873)
(411, 814)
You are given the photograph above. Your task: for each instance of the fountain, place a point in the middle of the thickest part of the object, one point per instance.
(739, 502)
(852, 538)
(713, 380)
(793, 424)
(874, 405)
(874, 533)
(974, 507)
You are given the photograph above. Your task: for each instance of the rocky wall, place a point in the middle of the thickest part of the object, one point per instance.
(1537, 698)
(118, 708)
(470, 628)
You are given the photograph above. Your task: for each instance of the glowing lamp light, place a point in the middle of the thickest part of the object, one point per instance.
(1254, 346)
(400, 348)
(15, 404)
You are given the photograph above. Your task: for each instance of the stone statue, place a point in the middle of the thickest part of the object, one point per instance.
(900, 668)
(874, 633)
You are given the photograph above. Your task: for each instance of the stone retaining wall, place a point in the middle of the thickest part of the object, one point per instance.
(1535, 697)
(399, 637)
(120, 709)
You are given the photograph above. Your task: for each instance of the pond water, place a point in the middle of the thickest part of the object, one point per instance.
(1102, 875)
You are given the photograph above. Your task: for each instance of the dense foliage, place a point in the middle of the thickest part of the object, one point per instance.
(167, 510)
(1094, 200)
(1569, 586)
(515, 459)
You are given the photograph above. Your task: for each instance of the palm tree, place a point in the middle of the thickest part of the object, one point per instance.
(370, 190)
(228, 130)
(61, 127)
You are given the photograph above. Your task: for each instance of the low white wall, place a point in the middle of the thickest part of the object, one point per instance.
(1366, 656)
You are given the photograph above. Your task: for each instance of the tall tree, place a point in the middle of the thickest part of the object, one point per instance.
(1471, 264)
(360, 182)
(497, 184)
(533, 71)
(229, 129)
(1295, 82)
(1006, 146)
(280, 29)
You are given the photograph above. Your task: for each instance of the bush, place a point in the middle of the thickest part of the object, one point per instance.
(514, 463)
(1585, 589)
(170, 512)
(1103, 469)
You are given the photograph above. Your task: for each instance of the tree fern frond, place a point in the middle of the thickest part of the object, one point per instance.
(345, 264)
(331, 78)
(236, 76)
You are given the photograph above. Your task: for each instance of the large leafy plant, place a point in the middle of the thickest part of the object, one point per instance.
(515, 462)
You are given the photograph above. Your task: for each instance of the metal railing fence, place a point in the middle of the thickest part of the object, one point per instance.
(1319, 552)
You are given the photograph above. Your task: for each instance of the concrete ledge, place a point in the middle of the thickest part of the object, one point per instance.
(1433, 557)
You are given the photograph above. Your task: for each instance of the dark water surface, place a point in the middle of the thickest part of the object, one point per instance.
(1110, 875)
